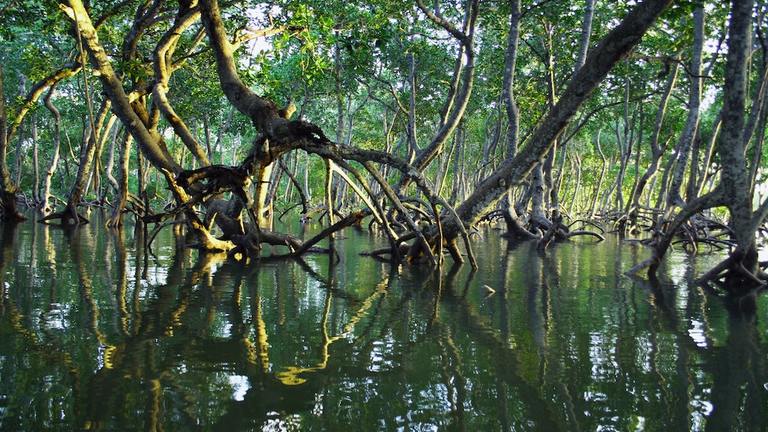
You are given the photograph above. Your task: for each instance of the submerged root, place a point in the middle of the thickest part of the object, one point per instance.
(67, 217)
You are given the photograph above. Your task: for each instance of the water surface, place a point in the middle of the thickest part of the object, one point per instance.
(97, 334)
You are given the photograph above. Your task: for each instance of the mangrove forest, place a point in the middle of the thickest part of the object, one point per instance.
(383, 215)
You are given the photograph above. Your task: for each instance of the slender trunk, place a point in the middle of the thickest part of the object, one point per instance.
(600, 178)
(456, 180)
(693, 173)
(274, 184)
(662, 194)
(95, 178)
(328, 196)
(636, 174)
(550, 193)
(337, 184)
(116, 219)
(625, 144)
(683, 148)
(538, 212)
(650, 191)
(19, 162)
(444, 164)
(35, 161)
(84, 171)
(577, 163)
(586, 32)
(561, 170)
(657, 149)
(45, 206)
(456, 103)
(413, 146)
(514, 225)
(307, 189)
(110, 167)
(208, 138)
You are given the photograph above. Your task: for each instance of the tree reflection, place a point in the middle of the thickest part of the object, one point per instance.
(188, 339)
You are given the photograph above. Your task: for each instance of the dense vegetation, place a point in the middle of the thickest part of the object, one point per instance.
(552, 119)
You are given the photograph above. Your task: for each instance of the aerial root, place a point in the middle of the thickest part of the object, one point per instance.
(598, 236)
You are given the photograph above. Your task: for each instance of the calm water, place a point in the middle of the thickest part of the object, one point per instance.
(95, 334)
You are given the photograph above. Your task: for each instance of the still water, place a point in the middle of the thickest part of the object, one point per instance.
(96, 334)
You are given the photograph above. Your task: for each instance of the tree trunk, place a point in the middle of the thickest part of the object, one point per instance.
(514, 225)
(76, 194)
(577, 162)
(110, 167)
(615, 46)
(596, 193)
(35, 161)
(19, 161)
(735, 176)
(116, 220)
(586, 32)
(456, 103)
(683, 148)
(8, 198)
(45, 207)
(657, 149)
(162, 53)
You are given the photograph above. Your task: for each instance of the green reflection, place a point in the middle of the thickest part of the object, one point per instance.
(97, 333)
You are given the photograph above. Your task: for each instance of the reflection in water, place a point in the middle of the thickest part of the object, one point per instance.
(97, 334)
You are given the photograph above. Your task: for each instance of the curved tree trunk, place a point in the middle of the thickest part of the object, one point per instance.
(614, 46)
(515, 226)
(457, 102)
(742, 265)
(162, 53)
